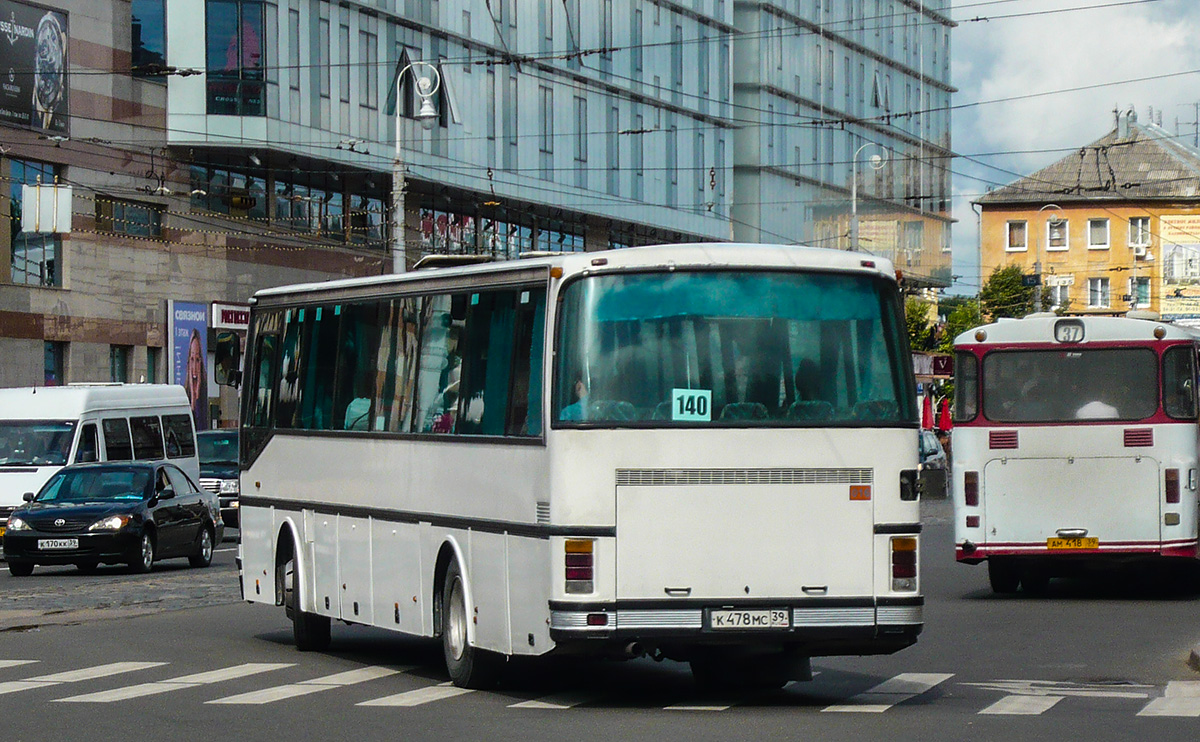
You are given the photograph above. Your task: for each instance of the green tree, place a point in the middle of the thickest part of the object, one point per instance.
(1004, 295)
(916, 317)
(963, 317)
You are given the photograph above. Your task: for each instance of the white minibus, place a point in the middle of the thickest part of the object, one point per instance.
(43, 429)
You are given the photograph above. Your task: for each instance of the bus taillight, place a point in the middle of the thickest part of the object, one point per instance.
(1172, 486)
(904, 563)
(580, 565)
(971, 489)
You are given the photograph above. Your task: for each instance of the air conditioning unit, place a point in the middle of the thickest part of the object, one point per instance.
(1139, 251)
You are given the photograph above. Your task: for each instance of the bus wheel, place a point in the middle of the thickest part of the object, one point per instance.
(310, 631)
(1035, 580)
(1003, 575)
(468, 666)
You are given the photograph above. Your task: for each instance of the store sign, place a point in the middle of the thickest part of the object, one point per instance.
(230, 316)
(33, 67)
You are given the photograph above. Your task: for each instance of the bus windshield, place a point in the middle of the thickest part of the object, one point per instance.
(35, 442)
(700, 348)
(1058, 385)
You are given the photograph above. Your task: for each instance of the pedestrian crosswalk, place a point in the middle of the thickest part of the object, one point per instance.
(393, 687)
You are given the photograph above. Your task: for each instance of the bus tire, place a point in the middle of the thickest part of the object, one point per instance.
(310, 631)
(1035, 579)
(469, 667)
(1003, 576)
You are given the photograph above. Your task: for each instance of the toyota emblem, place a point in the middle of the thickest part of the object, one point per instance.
(60, 522)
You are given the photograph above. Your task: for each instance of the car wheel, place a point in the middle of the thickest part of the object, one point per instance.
(468, 666)
(19, 568)
(204, 549)
(1003, 575)
(310, 631)
(88, 568)
(145, 562)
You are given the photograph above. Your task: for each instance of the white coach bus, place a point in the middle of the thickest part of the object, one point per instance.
(702, 452)
(1074, 446)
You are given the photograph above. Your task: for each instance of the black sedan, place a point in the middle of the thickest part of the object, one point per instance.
(114, 513)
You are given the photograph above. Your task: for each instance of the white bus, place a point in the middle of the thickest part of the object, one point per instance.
(42, 429)
(1074, 446)
(702, 452)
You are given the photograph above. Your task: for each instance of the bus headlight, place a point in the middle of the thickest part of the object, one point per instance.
(230, 487)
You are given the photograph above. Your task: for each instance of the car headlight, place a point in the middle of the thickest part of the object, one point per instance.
(230, 487)
(16, 524)
(111, 523)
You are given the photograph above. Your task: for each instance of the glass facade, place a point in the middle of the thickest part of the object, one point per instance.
(235, 57)
(149, 38)
(35, 255)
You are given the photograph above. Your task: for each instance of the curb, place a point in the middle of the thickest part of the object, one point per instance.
(1194, 658)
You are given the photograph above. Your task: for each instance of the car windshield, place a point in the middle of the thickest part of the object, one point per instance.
(35, 442)
(218, 448)
(728, 348)
(96, 485)
(1061, 385)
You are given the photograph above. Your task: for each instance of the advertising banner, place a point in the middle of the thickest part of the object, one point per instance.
(1180, 237)
(33, 67)
(188, 353)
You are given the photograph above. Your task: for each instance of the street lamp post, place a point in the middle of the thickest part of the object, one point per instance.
(427, 87)
(877, 162)
(1037, 263)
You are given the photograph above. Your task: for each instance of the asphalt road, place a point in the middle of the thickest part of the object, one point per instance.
(1089, 661)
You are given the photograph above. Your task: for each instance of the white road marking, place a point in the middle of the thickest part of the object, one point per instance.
(180, 683)
(316, 685)
(699, 707)
(1065, 689)
(75, 676)
(891, 692)
(1022, 705)
(420, 696)
(1182, 698)
(567, 700)
(16, 663)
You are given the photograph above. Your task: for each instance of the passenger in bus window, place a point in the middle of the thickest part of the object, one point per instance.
(577, 410)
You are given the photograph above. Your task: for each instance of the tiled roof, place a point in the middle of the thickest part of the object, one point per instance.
(1148, 163)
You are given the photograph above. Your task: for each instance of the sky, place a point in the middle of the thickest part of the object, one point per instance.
(1040, 78)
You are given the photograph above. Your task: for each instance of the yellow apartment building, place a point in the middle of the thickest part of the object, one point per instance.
(1111, 227)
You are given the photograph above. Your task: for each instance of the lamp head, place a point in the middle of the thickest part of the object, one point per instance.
(428, 114)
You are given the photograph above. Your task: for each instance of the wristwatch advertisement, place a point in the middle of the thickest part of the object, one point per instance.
(34, 87)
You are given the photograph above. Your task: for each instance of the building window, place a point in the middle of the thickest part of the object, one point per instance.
(1059, 295)
(128, 217)
(546, 113)
(1057, 234)
(149, 38)
(55, 355)
(1139, 231)
(34, 254)
(1017, 239)
(1097, 234)
(1098, 293)
(1139, 292)
(118, 363)
(152, 356)
(236, 57)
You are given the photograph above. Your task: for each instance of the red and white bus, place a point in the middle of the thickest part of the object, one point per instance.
(1074, 446)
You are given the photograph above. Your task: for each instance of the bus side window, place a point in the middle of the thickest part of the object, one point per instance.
(89, 446)
(525, 396)
(117, 444)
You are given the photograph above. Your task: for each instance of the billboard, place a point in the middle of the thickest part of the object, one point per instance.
(188, 353)
(33, 67)
(1180, 256)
